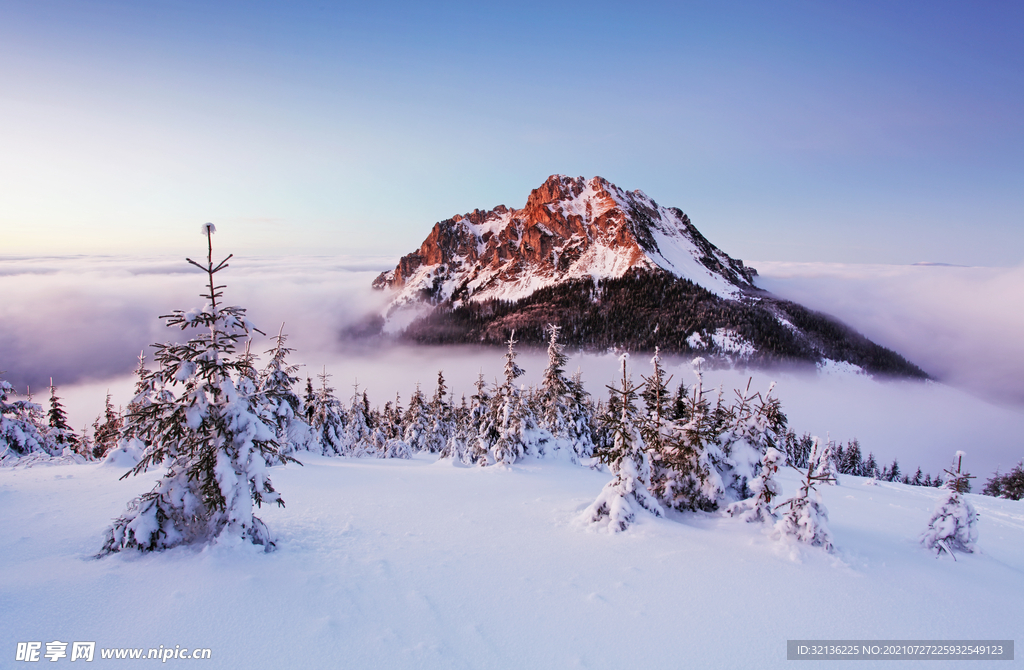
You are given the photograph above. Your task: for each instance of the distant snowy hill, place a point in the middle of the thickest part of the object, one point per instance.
(389, 563)
(614, 269)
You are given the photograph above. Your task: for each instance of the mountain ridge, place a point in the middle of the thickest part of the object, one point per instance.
(615, 270)
(569, 228)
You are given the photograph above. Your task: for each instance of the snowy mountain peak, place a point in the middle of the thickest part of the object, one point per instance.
(570, 228)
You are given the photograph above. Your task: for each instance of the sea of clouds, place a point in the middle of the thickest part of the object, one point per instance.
(84, 320)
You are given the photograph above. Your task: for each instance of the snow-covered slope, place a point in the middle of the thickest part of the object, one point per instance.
(570, 228)
(417, 564)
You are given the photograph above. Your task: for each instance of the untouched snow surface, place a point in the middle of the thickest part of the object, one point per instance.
(419, 564)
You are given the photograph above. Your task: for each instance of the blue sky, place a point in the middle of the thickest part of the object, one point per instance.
(853, 132)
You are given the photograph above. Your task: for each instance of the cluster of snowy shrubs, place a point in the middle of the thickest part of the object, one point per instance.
(216, 423)
(26, 431)
(696, 451)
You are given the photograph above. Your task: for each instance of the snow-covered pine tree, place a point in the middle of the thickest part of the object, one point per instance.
(838, 454)
(893, 471)
(554, 394)
(416, 423)
(482, 427)
(441, 417)
(35, 414)
(216, 450)
(358, 425)
(327, 419)
(615, 507)
(58, 432)
(462, 413)
(954, 523)
(1009, 485)
(658, 403)
(19, 434)
(852, 463)
(518, 432)
(106, 430)
(798, 450)
(870, 467)
(309, 402)
(392, 424)
(826, 469)
(807, 518)
(460, 445)
(131, 443)
(387, 432)
(579, 419)
(603, 411)
(281, 406)
(686, 470)
(677, 409)
(86, 444)
(759, 508)
(752, 424)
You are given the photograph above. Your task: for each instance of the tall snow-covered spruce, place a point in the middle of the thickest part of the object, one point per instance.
(216, 449)
(518, 434)
(563, 406)
(278, 404)
(59, 433)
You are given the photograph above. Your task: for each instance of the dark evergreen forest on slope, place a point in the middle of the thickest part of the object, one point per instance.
(644, 309)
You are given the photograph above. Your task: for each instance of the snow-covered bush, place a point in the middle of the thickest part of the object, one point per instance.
(750, 426)
(954, 523)
(19, 434)
(759, 508)
(807, 518)
(216, 449)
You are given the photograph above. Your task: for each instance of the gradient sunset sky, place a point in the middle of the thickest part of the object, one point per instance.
(884, 132)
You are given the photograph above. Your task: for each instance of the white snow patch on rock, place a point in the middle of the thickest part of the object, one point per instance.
(831, 367)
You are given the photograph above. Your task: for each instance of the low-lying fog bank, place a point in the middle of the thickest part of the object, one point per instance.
(83, 320)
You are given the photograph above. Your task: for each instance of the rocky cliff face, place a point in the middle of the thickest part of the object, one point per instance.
(615, 270)
(570, 228)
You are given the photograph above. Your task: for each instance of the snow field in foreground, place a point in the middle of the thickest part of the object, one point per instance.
(418, 564)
